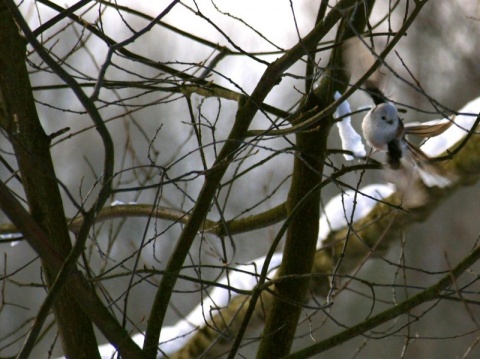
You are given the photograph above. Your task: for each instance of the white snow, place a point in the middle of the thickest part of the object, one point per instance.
(338, 211)
(174, 337)
(117, 203)
(351, 140)
(10, 236)
(435, 146)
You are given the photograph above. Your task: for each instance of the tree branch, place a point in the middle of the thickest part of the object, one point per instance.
(431, 293)
(32, 151)
(246, 111)
(301, 239)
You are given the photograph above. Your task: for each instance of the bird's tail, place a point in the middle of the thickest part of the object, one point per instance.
(431, 174)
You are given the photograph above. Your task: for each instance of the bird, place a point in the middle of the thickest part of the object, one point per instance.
(384, 131)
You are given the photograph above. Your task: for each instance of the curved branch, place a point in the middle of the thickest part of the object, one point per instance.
(374, 233)
(75, 282)
(82, 97)
(192, 84)
(431, 293)
(246, 111)
(328, 110)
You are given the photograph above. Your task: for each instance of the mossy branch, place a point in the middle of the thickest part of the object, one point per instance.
(375, 233)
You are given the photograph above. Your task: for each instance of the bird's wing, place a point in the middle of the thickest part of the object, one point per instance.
(428, 129)
(375, 93)
(358, 57)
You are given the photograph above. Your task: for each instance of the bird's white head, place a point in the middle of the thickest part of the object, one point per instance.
(386, 113)
(381, 125)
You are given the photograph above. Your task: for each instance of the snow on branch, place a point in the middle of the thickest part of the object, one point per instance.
(351, 140)
(463, 123)
(241, 278)
(375, 214)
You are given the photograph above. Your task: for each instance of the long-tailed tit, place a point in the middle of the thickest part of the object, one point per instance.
(383, 129)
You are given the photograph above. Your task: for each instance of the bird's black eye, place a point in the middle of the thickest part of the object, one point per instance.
(383, 118)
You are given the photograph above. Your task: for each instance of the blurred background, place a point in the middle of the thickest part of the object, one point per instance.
(155, 141)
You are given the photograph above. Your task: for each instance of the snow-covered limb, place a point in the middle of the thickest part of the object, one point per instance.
(173, 338)
(349, 207)
(463, 123)
(375, 226)
(11, 237)
(351, 140)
